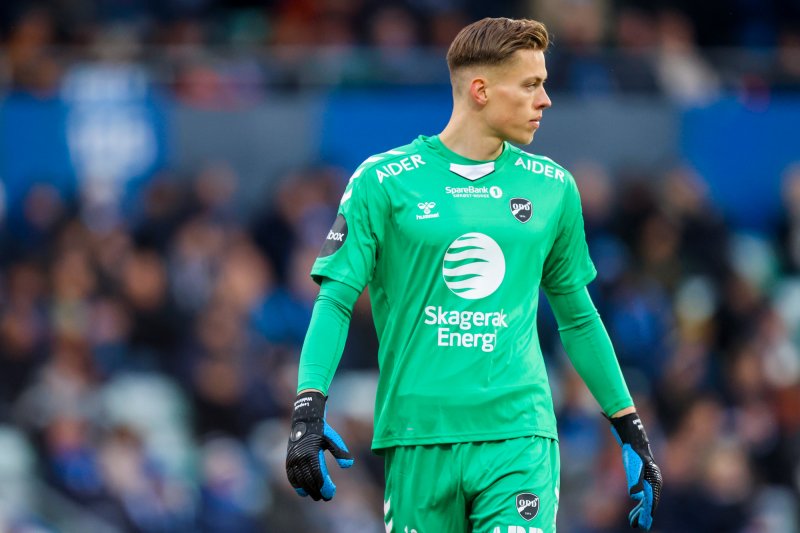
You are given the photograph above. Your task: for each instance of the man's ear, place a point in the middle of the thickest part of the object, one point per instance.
(477, 91)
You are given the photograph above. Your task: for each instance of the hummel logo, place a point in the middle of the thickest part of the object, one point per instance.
(426, 209)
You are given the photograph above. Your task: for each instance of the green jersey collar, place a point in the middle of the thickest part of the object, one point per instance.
(437, 146)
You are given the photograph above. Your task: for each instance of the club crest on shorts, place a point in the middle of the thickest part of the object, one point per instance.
(527, 505)
(522, 209)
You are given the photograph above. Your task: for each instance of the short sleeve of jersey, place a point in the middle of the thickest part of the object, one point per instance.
(568, 266)
(350, 251)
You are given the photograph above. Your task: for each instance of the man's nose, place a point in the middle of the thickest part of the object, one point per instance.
(543, 102)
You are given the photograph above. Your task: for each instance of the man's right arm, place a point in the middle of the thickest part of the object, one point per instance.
(326, 335)
(345, 265)
(310, 434)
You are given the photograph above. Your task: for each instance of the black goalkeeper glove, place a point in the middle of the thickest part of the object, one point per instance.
(310, 437)
(641, 471)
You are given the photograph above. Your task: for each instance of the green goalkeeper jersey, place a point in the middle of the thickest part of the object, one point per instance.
(454, 252)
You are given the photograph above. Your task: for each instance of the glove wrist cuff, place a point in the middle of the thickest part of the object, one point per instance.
(309, 406)
(630, 430)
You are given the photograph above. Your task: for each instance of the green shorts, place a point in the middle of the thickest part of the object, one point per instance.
(508, 486)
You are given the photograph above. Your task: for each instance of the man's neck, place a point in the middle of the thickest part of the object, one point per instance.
(468, 140)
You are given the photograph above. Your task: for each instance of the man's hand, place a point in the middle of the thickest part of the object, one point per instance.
(310, 437)
(643, 475)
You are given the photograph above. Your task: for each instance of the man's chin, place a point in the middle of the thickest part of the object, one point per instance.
(523, 139)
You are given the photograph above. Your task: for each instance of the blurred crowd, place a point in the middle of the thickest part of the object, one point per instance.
(147, 362)
(223, 54)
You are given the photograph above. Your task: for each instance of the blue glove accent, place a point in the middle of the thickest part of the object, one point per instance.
(642, 475)
(328, 488)
(301, 492)
(633, 467)
(642, 515)
(334, 437)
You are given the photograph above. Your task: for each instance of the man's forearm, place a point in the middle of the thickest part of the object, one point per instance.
(326, 336)
(589, 348)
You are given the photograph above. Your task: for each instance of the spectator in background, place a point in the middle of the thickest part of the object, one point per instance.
(299, 212)
(44, 209)
(156, 324)
(232, 494)
(444, 25)
(73, 461)
(579, 64)
(34, 70)
(194, 262)
(23, 326)
(563, 17)
(336, 41)
(161, 209)
(582, 439)
(683, 74)
(787, 77)
(634, 67)
(393, 33)
(152, 501)
(789, 225)
(229, 361)
(702, 232)
(713, 479)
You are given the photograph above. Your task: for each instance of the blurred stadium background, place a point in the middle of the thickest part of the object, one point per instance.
(169, 169)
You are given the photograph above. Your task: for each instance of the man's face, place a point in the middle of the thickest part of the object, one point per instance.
(516, 97)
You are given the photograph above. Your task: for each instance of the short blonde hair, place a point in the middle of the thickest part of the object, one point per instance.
(491, 41)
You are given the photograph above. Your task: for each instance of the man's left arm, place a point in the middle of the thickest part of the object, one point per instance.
(589, 348)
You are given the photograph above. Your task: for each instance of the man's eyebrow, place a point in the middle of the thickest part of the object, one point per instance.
(535, 78)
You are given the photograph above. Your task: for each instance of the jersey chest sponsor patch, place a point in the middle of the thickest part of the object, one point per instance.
(474, 191)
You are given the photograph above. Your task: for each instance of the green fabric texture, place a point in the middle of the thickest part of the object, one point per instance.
(589, 348)
(326, 335)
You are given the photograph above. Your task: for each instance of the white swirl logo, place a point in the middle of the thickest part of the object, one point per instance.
(473, 266)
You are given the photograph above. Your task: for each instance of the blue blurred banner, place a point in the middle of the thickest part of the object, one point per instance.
(116, 129)
(33, 149)
(102, 138)
(743, 151)
(357, 124)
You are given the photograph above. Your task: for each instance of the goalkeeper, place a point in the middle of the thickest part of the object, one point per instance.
(455, 234)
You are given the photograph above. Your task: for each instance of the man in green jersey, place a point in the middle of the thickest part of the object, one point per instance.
(455, 234)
